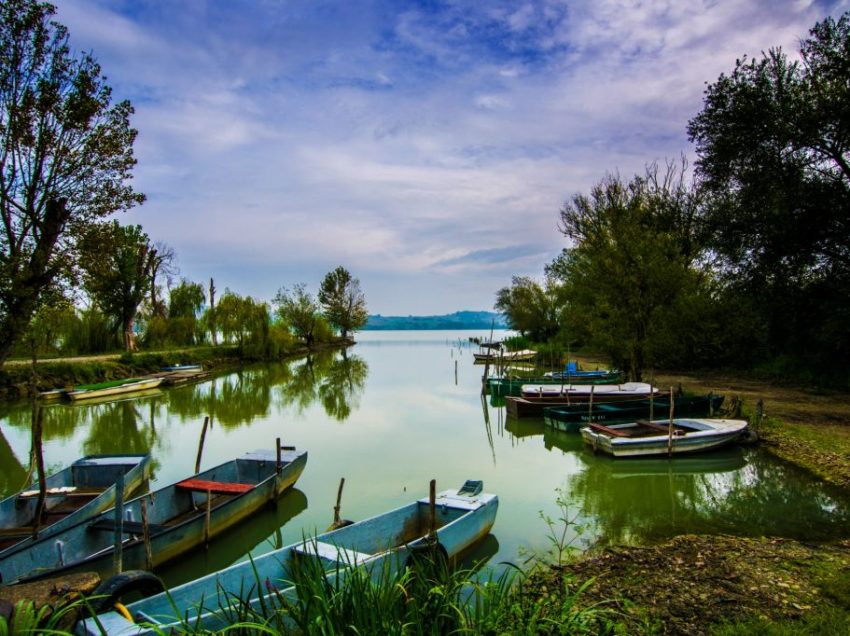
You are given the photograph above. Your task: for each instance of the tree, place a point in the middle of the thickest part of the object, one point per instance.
(632, 271)
(116, 261)
(531, 308)
(298, 309)
(185, 303)
(774, 156)
(245, 321)
(164, 264)
(342, 301)
(66, 155)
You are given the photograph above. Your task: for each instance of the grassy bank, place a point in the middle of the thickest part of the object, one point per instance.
(16, 376)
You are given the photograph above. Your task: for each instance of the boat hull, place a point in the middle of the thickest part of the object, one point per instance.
(178, 520)
(571, 419)
(82, 490)
(385, 540)
(708, 435)
(121, 389)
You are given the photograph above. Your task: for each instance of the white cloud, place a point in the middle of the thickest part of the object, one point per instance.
(294, 137)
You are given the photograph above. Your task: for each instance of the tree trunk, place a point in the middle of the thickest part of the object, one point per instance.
(25, 288)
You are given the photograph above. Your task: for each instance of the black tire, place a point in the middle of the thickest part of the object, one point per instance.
(132, 582)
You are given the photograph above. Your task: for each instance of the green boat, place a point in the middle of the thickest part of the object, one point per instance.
(572, 418)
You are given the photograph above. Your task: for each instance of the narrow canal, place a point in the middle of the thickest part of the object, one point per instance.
(397, 410)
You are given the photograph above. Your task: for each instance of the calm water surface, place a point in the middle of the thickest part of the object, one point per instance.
(397, 410)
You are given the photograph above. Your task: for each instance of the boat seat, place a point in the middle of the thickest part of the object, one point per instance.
(662, 428)
(129, 527)
(331, 552)
(217, 487)
(608, 430)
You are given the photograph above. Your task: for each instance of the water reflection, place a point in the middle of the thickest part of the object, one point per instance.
(261, 535)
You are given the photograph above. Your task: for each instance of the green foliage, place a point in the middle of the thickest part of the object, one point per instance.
(297, 309)
(65, 158)
(531, 308)
(633, 269)
(245, 322)
(89, 332)
(342, 301)
(116, 261)
(772, 141)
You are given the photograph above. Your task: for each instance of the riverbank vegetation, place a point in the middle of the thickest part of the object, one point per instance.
(747, 265)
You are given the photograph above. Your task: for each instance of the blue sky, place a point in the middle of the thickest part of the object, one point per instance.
(425, 146)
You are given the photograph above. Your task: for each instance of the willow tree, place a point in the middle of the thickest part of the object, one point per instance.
(66, 154)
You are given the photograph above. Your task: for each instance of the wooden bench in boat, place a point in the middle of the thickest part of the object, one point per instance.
(619, 432)
(216, 487)
(331, 552)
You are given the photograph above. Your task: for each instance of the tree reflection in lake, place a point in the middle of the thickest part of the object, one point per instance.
(728, 491)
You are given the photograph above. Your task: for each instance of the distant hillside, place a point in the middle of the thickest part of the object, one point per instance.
(457, 320)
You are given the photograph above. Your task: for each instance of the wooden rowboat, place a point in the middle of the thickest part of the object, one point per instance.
(159, 526)
(645, 438)
(386, 540)
(85, 488)
(505, 386)
(533, 406)
(574, 417)
(586, 392)
(108, 389)
(502, 357)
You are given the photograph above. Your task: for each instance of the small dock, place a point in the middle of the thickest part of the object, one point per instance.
(181, 377)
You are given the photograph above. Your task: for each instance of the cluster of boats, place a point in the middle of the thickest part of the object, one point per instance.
(82, 520)
(623, 419)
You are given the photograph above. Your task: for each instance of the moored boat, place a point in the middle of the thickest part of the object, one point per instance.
(162, 525)
(80, 491)
(108, 389)
(586, 392)
(662, 437)
(505, 386)
(572, 418)
(388, 540)
(503, 357)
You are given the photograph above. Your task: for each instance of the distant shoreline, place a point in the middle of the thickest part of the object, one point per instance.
(465, 320)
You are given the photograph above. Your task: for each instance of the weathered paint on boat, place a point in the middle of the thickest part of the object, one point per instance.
(80, 491)
(583, 392)
(461, 521)
(572, 418)
(697, 435)
(519, 407)
(176, 519)
(503, 387)
(126, 387)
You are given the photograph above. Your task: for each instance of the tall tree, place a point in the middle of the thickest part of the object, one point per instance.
(774, 155)
(164, 264)
(185, 304)
(631, 272)
(299, 310)
(342, 301)
(66, 154)
(116, 261)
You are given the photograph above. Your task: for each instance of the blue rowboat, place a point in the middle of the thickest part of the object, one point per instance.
(644, 438)
(85, 488)
(162, 525)
(572, 418)
(462, 517)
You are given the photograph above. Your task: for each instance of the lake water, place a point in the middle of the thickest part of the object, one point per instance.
(399, 409)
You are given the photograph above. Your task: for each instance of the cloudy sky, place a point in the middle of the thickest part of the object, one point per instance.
(425, 146)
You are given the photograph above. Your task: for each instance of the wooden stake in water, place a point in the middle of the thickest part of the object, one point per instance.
(651, 395)
(118, 556)
(201, 444)
(590, 404)
(38, 455)
(146, 535)
(279, 465)
(670, 426)
(338, 502)
(432, 509)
